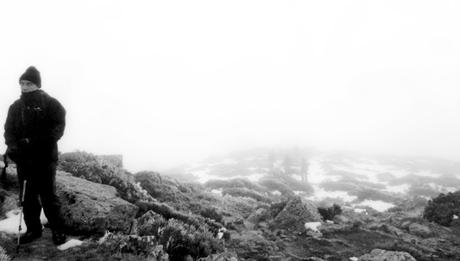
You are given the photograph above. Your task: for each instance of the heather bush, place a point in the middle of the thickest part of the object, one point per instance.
(164, 189)
(276, 208)
(212, 213)
(140, 246)
(88, 166)
(330, 212)
(168, 212)
(180, 239)
(442, 208)
(150, 223)
(239, 207)
(182, 197)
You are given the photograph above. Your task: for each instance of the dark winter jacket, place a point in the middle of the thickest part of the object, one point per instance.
(40, 119)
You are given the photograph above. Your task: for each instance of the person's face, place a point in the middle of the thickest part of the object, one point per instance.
(27, 86)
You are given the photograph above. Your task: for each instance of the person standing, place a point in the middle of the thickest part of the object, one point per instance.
(34, 124)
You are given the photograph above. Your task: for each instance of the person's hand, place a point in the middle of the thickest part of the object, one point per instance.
(14, 153)
(24, 142)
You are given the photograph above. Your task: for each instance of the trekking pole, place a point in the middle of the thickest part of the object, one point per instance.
(21, 200)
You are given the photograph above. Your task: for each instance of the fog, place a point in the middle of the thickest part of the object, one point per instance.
(169, 82)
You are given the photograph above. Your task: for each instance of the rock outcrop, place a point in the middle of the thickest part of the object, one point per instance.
(295, 214)
(91, 208)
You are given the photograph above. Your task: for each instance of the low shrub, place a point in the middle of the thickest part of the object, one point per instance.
(442, 208)
(212, 213)
(140, 246)
(239, 207)
(180, 239)
(88, 166)
(330, 212)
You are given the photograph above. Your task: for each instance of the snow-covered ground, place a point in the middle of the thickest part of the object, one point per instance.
(375, 204)
(69, 244)
(321, 194)
(403, 188)
(427, 173)
(317, 173)
(217, 191)
(325, 167)
(10, 224)
(441, 188)
(204, 175)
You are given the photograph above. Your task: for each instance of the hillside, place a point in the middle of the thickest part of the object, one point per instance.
(252, 205)
(353, 180)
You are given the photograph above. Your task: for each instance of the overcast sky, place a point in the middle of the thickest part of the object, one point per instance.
(163, 82)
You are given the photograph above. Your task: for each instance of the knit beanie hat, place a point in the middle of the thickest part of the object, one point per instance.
(32, 75)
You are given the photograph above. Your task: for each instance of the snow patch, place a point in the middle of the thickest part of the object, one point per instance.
(317, 174)
(360, 210)
(10, 224)
(69, 244)
(313, 226)
(320, 194)
(276, 193)
(371, 169)
(217, 191)
(427, 173)
(227, 161)
(203, 176)
(440, 188)
(403, 188)
(277, 164)
(253, 177)
(376, 204)
(221, 232)
(103, 238)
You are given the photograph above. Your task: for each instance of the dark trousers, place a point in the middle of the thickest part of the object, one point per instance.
(40, 192)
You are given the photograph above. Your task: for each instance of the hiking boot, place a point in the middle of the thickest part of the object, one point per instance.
(58, 238)
(30, 236)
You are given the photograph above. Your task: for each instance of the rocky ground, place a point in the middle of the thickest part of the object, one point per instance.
(147, 216)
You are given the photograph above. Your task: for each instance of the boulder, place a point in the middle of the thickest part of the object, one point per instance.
(384, 255)
(295, 214)
(91, 208)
